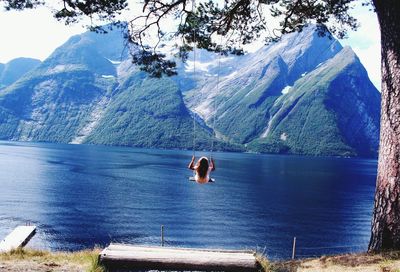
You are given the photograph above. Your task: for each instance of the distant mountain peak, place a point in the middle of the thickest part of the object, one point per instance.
(15, 69)
(90, 51)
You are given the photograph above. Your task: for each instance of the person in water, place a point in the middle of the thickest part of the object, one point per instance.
(203, 168)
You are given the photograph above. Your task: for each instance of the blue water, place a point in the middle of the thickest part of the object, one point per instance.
(80, 196)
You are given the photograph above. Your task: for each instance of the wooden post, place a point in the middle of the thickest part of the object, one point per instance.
(294, 248)
(162, 235)
(263, 252)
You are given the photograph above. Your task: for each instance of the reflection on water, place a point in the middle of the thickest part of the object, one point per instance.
(81, 196)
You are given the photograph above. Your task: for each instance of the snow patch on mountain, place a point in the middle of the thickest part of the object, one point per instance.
(115, 62)
(286, 89)
(107, 76)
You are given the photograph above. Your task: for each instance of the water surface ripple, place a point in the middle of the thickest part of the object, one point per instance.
(81, 196)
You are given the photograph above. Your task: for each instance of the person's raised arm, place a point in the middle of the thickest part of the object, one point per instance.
(212, 164)
(191, 164)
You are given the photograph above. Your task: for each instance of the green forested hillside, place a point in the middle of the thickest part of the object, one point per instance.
(330, 111)
(146, 112)
(303, 95)
(49, 108)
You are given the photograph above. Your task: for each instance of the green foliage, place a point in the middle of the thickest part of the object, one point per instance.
(24, 258)
(96, 265)
(264, 264)
(240, 22)
(317, 116)
(21, 4)
(8, 124)
(49, 108)
(268, 146)
(77, 95)
(151, 113)
(154, 63)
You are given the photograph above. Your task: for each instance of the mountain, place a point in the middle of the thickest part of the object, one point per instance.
(15, 69)
(334, 109)
(304, 95)
(87, 91)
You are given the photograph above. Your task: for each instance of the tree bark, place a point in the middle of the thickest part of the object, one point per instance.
(385, 233)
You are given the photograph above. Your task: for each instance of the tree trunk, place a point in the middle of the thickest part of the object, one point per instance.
(386, 216)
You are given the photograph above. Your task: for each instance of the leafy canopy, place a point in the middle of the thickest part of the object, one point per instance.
(201, 23)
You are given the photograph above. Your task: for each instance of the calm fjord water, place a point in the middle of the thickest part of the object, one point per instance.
(80, 196)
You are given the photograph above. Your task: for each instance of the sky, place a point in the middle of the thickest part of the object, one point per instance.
(366, 43)
(36, 34)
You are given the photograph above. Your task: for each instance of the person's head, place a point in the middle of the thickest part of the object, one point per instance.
(202, 167)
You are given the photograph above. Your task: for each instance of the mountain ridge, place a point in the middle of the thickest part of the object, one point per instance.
(281, 99)
(16, 68)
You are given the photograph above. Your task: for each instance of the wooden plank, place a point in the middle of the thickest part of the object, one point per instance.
(19, 237)
(194, 179)
(141, 257)
(118, 246)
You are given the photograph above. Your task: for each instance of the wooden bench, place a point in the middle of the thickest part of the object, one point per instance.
(120, 256)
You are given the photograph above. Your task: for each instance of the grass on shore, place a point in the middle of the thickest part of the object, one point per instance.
(360, 262)
(87, 260)
(39, 260)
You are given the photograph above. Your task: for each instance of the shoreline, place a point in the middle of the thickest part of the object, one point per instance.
(252, 152)
(87, 260)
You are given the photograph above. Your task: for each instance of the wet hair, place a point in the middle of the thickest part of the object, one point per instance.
(202, 167)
